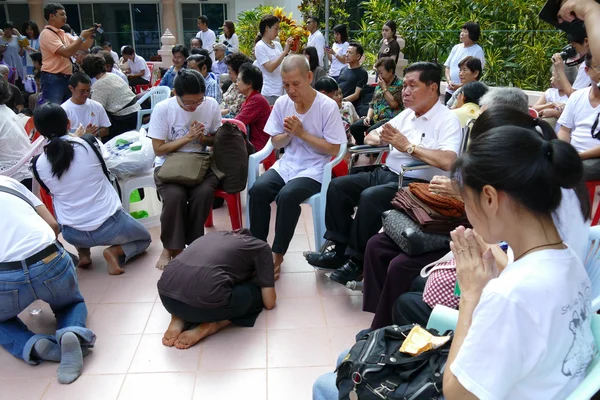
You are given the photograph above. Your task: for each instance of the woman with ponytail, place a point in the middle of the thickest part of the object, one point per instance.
(523, 329)
(87, 206)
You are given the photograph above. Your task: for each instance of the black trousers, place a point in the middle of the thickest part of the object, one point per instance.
(410, 307)
(243, 308)
(359, 130)
(137, 81)
(372, 192)
(447, 97)
(270, 187)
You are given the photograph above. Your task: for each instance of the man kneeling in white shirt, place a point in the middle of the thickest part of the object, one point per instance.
(309, 126)
(84, 111)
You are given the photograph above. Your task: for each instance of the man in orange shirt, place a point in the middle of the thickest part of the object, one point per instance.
(57, 48)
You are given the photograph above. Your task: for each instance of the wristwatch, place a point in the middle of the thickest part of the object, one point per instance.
(411, 148)
(81, 38)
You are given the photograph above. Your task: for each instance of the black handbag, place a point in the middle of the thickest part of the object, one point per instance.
(374, 369)
(409, 236)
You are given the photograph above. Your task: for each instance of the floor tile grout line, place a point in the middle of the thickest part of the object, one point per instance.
(46, 388)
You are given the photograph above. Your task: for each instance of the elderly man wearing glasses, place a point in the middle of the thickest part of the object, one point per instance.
(579, 121)
(184, 123)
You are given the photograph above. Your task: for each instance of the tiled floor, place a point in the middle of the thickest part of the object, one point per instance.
(278, 359)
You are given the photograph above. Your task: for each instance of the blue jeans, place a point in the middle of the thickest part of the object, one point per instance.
(324, 387)
(55, 87)
(119, 229)
(54, 282)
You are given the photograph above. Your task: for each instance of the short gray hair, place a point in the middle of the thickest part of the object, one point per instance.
(571, 72)
(4, 69)
(295, 61)
(505, 96)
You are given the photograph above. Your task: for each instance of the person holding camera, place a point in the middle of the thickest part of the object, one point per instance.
(57, 48)
(229, 38)
(578, 49)
(269, 56)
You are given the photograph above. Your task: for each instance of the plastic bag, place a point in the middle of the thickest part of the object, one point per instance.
(130, 153)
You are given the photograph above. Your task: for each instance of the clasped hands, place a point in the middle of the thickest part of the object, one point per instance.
(196, 132)
(293, 126)
(391, 135)
(475, 262)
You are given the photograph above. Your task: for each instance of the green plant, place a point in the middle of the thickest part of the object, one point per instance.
(517, 45)
(338, 13)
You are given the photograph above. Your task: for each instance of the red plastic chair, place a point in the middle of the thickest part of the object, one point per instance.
(591, 186)
(142, 88)
(234, 204)
(533, 113)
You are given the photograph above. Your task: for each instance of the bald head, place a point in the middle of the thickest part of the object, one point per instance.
(4, 70)
(295, 62)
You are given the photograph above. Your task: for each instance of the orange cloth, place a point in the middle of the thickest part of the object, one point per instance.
(447, 206)
(50, 42)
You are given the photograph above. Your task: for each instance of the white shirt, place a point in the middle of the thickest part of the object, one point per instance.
(208, 41)
(233, 42)
(14, 143)
(117, 71)
(272, 83)
(115, 56)
(83, 197)
(322, 120)
(579, 116)
(583, 79)
(336, 65)
(458, 53)
(91, 112)
(530, 337)
(552, 95)
(441, 130)
(317, 41)
(170, 122)
(137, 65)
(24, 232)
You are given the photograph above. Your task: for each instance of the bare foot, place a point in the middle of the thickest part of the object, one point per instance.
(111, 255)
(164, 259)
(173, 331)
(85, 257)
(189, 338)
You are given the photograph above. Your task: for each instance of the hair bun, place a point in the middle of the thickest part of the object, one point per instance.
(566, 164)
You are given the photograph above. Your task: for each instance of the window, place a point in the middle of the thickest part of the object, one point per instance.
(2, 13)
(18, 14)
(146, 29)
(216, 13)
(73, 20)
(116, 21)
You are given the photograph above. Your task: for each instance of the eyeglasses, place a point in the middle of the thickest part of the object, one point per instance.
(596, 135)
(190, 103)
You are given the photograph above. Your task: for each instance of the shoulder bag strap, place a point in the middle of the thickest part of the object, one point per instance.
(18, 194)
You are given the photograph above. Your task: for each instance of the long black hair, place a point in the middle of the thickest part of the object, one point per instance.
(51, 121)
(313, 57)
(522, 156)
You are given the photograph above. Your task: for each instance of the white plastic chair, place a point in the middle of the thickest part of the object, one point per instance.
(316, 201)
(129, 184)
(156, 95)
(592, 265)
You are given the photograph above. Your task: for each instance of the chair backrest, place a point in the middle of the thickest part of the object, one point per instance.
(466, 133)
(237, 123)
(592, 265)
(159, 93)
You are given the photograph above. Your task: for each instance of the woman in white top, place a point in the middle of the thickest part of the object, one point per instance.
(184, 123)
(469, 35)
(524, 332)
(115, 96)
(229, 38)
(87, 206)
(269, 56)
(337, 53)
(14, 143)
(32, 33)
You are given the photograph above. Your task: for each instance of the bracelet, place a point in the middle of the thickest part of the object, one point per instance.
(81, 38)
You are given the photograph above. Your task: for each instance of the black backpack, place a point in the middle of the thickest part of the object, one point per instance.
(374, 369)
(231, 150)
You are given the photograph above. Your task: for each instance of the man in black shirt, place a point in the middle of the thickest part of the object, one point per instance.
(353, 76)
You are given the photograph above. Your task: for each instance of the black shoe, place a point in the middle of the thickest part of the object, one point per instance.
(328, 259)
(350, 271)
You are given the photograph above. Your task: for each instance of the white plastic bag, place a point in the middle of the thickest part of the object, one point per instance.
(130, 153)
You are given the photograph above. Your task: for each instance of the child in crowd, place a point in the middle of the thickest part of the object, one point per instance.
(329, 87)
(552, 103)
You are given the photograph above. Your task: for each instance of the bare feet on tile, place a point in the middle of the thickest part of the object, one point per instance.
(173, 331)
(189, 338)
(85, 257)
(164, 259)
(111, 255)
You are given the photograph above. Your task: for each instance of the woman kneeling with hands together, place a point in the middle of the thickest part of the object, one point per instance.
(523, 332)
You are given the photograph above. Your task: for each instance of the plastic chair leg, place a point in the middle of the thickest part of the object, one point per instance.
(234, 207)
(209, 220)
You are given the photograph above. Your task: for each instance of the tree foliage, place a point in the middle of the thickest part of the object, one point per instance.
(517, 44)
